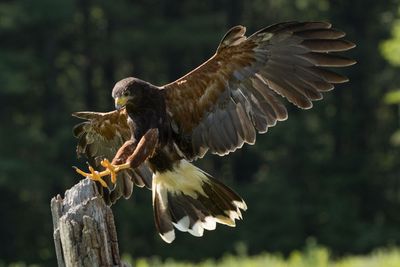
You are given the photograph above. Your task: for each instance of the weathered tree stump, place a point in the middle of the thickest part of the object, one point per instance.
(84, 230)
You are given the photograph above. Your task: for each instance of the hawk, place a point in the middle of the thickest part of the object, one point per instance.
(157, 131)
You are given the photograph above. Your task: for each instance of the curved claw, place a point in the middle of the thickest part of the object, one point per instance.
(93, 175)
(110, 170)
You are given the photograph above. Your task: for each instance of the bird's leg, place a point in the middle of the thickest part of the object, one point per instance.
(125, 158)
(144, 149)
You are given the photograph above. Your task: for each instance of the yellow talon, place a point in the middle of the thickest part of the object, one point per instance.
(110, 169)
(81, 172)
(106, 164)
(93, 175)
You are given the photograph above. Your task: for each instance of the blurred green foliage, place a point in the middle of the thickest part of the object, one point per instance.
(393, 97)
(331, 173)
(391, 48)
(312, 257)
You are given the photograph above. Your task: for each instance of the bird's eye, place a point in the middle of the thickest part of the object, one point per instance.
(126, 93)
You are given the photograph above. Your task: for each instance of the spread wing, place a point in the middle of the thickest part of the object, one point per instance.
(224, 102)
(100, 136)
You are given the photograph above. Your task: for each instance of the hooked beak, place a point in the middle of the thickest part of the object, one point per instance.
(120, 102)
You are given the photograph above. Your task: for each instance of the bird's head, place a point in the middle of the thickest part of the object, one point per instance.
(128, 91)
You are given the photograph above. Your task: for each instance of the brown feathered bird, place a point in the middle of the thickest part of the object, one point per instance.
(157, 131)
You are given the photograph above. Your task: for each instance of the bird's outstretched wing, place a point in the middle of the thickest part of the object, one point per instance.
(100, 136)
(223, 103)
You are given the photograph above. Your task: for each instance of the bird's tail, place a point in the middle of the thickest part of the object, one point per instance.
(191, 200)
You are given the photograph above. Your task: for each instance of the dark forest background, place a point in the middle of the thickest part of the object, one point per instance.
(331, 173)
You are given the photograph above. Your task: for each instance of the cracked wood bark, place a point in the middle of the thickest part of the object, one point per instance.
(84, 230)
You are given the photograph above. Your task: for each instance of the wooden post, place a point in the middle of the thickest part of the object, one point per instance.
(84, 230)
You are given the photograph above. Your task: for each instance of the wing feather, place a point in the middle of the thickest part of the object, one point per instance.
(100, 136)
(225, 101)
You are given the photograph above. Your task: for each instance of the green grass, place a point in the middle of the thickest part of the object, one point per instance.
(315, 257)
(312, 257)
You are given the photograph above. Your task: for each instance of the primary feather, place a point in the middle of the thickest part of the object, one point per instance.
(225, 100)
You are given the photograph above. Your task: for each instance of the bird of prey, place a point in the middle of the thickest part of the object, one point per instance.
(157, 131)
